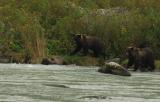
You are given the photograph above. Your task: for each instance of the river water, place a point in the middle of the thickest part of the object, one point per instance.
(53, 83)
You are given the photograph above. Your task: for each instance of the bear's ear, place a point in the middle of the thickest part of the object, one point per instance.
(83, 36)
(131, 48)
(78, 35)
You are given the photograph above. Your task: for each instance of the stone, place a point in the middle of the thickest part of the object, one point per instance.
(114, 68)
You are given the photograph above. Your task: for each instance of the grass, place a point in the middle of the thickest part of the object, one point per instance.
(83, 60)
(157, 64)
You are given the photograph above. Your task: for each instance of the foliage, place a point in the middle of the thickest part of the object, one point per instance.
(45, 27)
(157, 65)
(82, 60)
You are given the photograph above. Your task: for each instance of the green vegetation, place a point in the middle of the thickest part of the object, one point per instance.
(157, 64)
(82, 60)
(42, 28)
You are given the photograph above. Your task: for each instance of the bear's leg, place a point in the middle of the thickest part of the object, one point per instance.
(151, 67)
(95, 53)
(78, 48)
(85, 51)
(104, 55)
(143, 67)
(136, 66)
(130, 63)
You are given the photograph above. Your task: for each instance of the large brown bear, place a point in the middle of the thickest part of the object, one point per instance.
(87, 43)
(141, 58)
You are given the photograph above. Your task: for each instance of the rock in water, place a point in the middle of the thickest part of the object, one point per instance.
(54, 60)
(114, 68)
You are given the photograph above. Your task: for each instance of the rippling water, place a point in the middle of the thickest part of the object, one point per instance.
(53, 83)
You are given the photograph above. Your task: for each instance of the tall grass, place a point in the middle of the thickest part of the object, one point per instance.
(45, 27)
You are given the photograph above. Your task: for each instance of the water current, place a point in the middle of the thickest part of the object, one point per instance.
(54, 83)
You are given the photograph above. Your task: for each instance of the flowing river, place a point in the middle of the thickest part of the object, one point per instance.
(54, 83)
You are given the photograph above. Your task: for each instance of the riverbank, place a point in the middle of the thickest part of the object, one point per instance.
(92, 61)
(82, 61)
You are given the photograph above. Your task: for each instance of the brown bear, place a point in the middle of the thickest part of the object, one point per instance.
(87, 43)
(141, 58)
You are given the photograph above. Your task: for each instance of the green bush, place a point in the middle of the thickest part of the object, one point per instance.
(46, 27)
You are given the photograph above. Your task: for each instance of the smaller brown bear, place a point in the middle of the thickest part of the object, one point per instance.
(141, 58)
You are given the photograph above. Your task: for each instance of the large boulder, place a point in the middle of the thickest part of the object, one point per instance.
(114, 68)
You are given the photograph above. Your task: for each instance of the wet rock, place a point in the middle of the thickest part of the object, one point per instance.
(54, 60)
(3, 59)
(114, 68)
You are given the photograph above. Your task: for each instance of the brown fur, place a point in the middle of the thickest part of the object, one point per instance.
(88, 43)
(141, 58)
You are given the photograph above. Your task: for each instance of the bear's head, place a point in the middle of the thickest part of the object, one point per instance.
(79, 38)
(131, 51)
